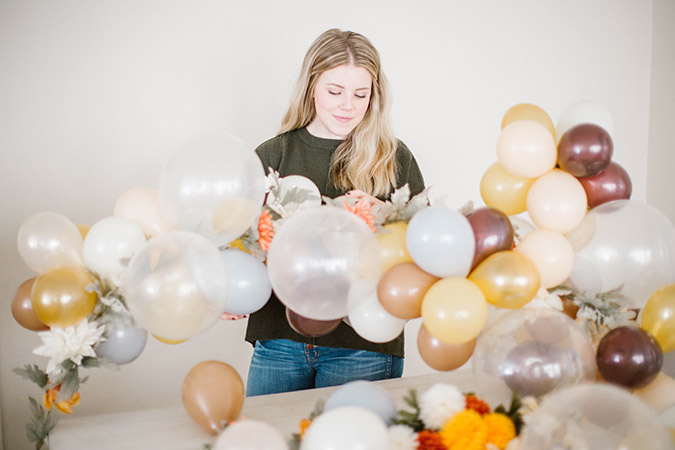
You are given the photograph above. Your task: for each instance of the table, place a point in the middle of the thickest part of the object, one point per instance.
(173, 429)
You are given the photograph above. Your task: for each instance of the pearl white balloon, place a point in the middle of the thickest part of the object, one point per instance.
(347, 428)
(49, 240)
(249, 434)
(373, 323)
(250, 286)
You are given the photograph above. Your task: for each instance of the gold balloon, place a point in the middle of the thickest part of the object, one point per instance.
(59, 297)
(213, 394)
(503, 191)
(169, 341)
(22, 308)
(507, 279)
(528, 111)
(83, 229)
(658, 317)
(454, 310)
(393, 248)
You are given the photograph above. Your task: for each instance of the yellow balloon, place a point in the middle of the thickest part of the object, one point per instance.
(454, 310)
(59, 297)
(507, 279)
(83, 229)
(503, 191)
(169, 341)
(658, 316)
(393, 248)
(528, 111)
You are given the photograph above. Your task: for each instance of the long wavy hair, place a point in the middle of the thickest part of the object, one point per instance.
(366, 159)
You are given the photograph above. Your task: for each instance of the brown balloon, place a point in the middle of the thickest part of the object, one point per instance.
(613, 183)
(492, 231)
(401, 290)
(310, 327)
(22, 308)
(441, 356)
(584, 150)
(213, 395)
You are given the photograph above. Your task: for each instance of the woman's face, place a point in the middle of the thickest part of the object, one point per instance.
(341, 98)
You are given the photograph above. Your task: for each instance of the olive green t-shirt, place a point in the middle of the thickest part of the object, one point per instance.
(297, 152)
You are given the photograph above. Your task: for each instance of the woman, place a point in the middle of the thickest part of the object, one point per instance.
(336, 133)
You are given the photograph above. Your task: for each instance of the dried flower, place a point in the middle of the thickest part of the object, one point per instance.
(265, 229)
(402, 437)
(466, 430)
(363, 209)
(304, 424)
(439, 403)
(71, 343)
(65, 406)
(500, 429)
(477, 404)
(430, 440)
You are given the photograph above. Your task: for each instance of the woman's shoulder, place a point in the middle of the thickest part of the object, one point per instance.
(403, 153)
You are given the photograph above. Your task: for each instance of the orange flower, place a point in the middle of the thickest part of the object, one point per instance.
(500, 429)
(429, 440)
(466, 430)
(65, 406)
(265, 230)
(363, 209)
(304, 424)
(477, 404)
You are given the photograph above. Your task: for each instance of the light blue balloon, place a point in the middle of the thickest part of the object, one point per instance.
(365, 394)
(250, 286)
(123, 345)
(441, 242)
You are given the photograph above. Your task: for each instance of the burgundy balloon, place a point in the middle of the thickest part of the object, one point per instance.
(585, 150)
(310, 327)
(629, 356)
(492, 230)
(613, 183)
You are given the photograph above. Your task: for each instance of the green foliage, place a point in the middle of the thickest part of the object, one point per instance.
(41, 423)
(410, 418)
(513, 412)
(33, 373)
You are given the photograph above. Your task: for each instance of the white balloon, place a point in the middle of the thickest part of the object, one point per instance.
(109, 246)
(250, 286)
(373, 323)
(347, 428)
(584, 112)
(286, 184)
(49, 240)
(249, 434)
(441, 241)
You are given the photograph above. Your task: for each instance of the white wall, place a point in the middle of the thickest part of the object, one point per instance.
(94, 96)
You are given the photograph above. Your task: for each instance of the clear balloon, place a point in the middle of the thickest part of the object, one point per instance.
(454, 310)
(22, 307)
(109, 246)
(213, 185)
(503, 191)
(123, 344)
(365, 394)
(441, 356)
(61, 297)
(401, 290)
(585, 111)
(624, 243)
(250, 287)
(213, 394)
(492, 231)
(526, 149)
(247, 434)
(323, 262)
(441, 241)
(658, 316)
(613, 183)
(534, 351)
(557, 202)
(594, 416)
(177, 285)
(141, 204)
(393, 248)
(528, 111)
(310, 327)
(49, 240)
(373, 323)
(586, 149)
(551, 253)
(507, 279)
(347, 428)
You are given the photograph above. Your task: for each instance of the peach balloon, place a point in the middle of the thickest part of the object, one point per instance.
(557, 202)
(551, 252)
(441, 356)
(526, 149)
(528, 111)
(393, 247)
(141, 204)
(402, 288)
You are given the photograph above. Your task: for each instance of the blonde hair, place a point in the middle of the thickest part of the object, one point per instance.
(366, 159)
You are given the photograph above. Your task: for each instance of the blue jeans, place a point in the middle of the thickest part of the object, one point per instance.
(281, 365)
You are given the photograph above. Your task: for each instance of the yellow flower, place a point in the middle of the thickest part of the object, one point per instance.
(466, 430)
(500, 429)
(65, 406)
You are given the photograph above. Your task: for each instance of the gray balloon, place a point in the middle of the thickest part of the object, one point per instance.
(533, 368)
(123, 345)
(365, 394)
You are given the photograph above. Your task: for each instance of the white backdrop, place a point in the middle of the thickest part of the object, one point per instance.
(94, 96)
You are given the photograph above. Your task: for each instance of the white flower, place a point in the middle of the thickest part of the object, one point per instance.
(114, 303)
(439, 403)
(402, 437)
(545, 300)
(71, 343)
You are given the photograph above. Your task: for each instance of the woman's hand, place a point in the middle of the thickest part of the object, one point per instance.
(227, 316)
(360, 195)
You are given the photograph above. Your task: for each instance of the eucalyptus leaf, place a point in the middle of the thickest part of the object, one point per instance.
(70, 386)
(33, 373)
